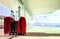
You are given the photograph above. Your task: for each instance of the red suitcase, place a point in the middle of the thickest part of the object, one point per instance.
(7, 25)
(21, 30)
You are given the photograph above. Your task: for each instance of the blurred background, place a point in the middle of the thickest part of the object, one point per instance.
(42, 16)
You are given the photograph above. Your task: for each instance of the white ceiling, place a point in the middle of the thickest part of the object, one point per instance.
(43, 6)
(11, 4)
(36, 6)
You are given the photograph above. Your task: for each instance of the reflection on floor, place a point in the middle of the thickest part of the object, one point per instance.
(1, 26)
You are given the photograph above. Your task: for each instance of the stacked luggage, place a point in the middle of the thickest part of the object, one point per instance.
(14, 27)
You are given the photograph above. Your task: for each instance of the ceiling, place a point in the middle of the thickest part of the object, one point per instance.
(11, 4)
(36, 6)
(43, 6)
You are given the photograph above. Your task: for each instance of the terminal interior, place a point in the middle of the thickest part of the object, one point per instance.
(42, 16)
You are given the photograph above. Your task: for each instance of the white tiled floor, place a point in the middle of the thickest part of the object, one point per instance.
(34, 29)
(44, 29)
(40, 37)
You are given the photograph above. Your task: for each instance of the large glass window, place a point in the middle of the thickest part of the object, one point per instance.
(4, 11)
(52, 19)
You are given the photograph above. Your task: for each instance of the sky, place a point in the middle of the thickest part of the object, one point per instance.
(4, 11)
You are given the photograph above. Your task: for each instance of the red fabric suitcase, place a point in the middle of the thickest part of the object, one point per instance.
(21, 26)
(7, 25)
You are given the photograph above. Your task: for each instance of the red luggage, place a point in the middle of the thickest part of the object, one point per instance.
(21, 30)
(7, 25)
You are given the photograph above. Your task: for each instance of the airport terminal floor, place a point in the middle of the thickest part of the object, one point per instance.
(34, 33)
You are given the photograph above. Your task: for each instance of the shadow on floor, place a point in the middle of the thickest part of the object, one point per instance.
(41, 34)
